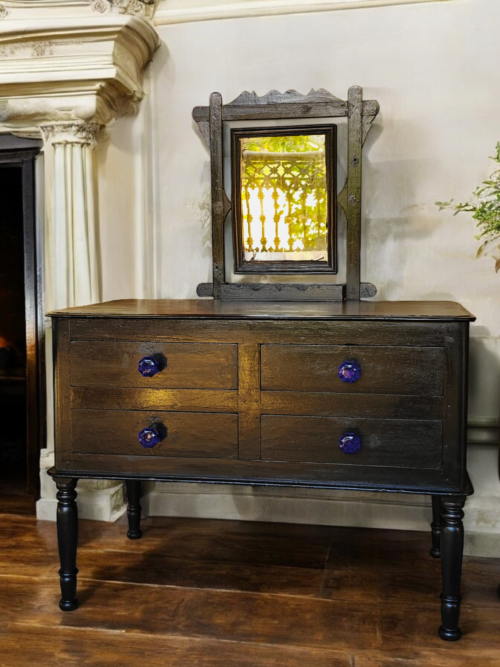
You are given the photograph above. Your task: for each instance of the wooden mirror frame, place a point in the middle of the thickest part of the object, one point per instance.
(279, 106)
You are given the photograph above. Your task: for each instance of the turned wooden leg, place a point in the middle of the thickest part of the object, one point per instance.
(67, 536)
(134, 509)
(436, 527)
(452, 546)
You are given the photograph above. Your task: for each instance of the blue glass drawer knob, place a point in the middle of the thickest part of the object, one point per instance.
(350, 443)
(148, 366)
(150, 436)
(349, 371)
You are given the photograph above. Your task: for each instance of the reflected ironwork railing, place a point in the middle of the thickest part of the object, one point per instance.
(284, 204)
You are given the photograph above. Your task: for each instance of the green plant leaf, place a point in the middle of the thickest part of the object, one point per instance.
(484, 206)
(481, 248)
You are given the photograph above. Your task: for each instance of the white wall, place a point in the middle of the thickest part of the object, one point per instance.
(434, 69)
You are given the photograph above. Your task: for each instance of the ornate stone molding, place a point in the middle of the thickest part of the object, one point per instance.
(185, 12)
(26, 9)
(145, 8)
(86, 69)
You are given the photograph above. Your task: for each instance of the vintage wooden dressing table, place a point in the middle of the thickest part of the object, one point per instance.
(267, 383)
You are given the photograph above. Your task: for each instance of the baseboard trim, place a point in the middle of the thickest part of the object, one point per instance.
(256, 504)
(94, 504)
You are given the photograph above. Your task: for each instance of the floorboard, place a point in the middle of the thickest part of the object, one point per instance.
(235, 594)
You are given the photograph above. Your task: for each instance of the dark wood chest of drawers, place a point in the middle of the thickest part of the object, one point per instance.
(369, 396)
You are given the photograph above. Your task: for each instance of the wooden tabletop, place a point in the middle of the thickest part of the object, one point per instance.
(208, 308)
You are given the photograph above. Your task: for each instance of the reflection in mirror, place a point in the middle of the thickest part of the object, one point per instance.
(283, 207)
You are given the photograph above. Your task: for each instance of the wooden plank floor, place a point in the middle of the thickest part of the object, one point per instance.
(199, 593)
(14, 499)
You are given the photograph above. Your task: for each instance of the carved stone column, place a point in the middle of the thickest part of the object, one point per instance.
(72, 270)
(71, 222)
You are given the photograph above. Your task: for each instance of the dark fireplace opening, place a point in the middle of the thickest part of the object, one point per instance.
(22, 362)
(13, 414)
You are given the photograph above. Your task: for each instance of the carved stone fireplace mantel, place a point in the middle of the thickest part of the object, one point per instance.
(67, 69)
(86, 68)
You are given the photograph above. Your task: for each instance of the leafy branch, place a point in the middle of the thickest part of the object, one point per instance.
(485, 208)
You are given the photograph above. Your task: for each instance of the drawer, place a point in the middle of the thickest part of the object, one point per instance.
(182, 365)
(383, 370)
(195, 434)
(384, 442)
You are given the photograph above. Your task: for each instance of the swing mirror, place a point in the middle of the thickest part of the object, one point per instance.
(284, 199)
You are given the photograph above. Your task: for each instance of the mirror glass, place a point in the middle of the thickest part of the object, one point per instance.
(283, 208)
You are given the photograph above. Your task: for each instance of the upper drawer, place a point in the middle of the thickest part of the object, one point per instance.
(183, 365)
(383, 370)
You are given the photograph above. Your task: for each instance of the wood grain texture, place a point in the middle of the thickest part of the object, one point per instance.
(188, 434)
(187, 365)
(384, 442)
(283, 291)
(274, 292)
(217, 191)
(196, 308)
(291, 104)
(174, 400)
(384, 370)
(456, 397)
(14, 499)
(274, 97)
(249, 402)
(294, 331)
(279, 111)
(238, 594)
(351, 405)
(412, 350)
(62, 389)
(268, 473)
(353, 209)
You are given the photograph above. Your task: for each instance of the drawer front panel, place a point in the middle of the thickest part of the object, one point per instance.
(183, 365)
(384, 442)
(383, 370)
(366, 406)
(194, 434)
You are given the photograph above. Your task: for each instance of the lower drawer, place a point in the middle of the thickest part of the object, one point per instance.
(384, 442)
(185, 434)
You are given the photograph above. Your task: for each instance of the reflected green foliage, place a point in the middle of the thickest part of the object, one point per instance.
(291, 144)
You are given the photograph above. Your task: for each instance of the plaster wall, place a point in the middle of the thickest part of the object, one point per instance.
(433, 69)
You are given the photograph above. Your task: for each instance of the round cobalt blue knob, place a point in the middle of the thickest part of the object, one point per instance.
(350, 443)
(148, 366)
(349, 371)
(149, 437)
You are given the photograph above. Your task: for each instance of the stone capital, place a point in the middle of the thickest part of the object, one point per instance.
(77, 132)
